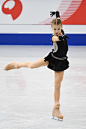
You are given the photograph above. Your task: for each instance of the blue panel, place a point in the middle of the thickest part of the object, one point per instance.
(25, 39)
(77, 39)
(39, 39)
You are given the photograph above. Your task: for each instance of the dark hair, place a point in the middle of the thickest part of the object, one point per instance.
(56, 21)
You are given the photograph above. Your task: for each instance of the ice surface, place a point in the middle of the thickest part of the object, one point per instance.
(27, 95)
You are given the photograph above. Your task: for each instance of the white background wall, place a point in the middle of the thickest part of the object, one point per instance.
(34, 11)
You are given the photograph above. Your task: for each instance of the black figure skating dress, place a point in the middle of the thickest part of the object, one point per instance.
(57, 58)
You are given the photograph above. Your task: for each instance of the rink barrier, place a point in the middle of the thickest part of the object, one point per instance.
(39, 39)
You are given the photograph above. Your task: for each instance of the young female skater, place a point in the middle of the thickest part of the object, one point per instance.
(55, 60)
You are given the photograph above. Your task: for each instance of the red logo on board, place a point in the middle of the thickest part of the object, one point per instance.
(15, 11)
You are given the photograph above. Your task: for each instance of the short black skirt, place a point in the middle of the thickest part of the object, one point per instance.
(56, 64)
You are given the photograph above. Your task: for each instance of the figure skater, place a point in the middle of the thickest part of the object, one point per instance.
(56, 60)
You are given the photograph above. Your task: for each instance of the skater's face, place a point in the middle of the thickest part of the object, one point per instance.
(56, 29)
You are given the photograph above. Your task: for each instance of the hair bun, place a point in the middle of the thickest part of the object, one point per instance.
(57, 14)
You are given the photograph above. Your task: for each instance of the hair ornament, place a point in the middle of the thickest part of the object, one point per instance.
(55, 12)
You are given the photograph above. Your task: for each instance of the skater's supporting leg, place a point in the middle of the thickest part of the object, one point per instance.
(58, 78)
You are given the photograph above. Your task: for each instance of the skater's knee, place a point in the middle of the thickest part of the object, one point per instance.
(57, 85)
(58, 81)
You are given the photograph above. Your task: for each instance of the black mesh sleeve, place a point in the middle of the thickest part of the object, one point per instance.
(51, 39)
(62, 31)
(63, 37)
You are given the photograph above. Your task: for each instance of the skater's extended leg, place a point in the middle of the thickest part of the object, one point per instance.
(58, 78)
(36, 64)
(39, 63)
(14, 65)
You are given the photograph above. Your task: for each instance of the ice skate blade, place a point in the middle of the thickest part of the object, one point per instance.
(56, 118)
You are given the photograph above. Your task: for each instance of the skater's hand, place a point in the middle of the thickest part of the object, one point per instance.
(55, 38)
